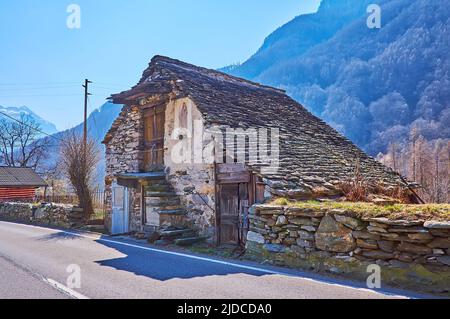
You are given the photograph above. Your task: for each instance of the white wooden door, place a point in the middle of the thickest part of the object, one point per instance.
(120, 210)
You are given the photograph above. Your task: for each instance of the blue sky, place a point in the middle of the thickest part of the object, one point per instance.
(43, 63)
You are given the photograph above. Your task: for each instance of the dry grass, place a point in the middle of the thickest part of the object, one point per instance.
(357, 189)
(363, 209)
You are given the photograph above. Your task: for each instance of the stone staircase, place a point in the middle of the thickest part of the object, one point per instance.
(178, 236)
(162, 199)
(165, 204)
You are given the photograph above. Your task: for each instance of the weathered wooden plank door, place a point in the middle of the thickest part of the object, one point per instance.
(154, 120)
(233, 181)
(229, 213)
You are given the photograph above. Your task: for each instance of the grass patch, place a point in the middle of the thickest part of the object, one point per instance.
(221, 251)
(363, 209)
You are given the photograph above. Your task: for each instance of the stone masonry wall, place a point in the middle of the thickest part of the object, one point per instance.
(123, 154)
(191, 175)
(412, 254)
(59, 215)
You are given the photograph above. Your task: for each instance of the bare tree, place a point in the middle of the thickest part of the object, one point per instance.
(79, 163)
(425, 162)
(393, 149)
(21, 143)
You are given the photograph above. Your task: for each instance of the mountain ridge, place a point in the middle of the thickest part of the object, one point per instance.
(17, 112)
(358, 79)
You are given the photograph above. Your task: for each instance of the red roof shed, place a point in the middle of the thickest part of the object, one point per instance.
(19, 183)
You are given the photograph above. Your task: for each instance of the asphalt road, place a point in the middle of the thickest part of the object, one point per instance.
(36, 262)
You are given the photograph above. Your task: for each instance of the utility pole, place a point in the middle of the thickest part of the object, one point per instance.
(86, 94)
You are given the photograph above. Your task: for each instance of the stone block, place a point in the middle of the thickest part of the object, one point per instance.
(255, 237)
(333, 236)
(350, 222)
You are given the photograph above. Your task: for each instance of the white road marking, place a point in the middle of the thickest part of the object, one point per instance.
(226, 263)
(72, 293)
(60, 287)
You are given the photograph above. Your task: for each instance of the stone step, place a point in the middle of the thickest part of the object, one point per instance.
(159, 187)
(167, 208)
(149, 229)
(163, 201)
(156, 176)
(160, 194)
(177, 212)
(189, 241)
(175, 233)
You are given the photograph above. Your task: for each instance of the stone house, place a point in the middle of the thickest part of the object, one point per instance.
(194, 148)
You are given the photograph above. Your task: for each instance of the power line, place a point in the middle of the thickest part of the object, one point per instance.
(40, 95)
(28, 125)
(38, 84)
(34, 88)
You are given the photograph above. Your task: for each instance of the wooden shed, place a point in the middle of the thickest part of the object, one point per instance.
(19, 183)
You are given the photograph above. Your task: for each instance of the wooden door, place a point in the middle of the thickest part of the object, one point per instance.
(233, 182)
(229, 213)
(154, 120)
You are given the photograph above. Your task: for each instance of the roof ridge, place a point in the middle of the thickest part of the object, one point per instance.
(212, 73)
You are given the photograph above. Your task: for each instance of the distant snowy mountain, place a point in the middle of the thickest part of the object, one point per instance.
(16, 112)
(98, 122)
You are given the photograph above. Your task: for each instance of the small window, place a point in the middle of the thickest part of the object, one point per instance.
(183, 116)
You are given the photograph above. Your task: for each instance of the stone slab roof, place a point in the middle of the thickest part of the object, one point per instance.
(311, 151)
(20, 177)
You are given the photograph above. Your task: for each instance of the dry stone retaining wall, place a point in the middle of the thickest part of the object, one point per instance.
(59, 215)
(412, 253)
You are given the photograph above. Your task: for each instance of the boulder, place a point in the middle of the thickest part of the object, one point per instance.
(420, 236)
(365, 235)
(393, 222)
(309, 228)
(375, 229)
(274, 248)
(281, 220)
(438, 251)
(255, 237)
(386, 246)
(305, 235)
(368, 244)
(377, 254)
(437, 224)
(301, 221)
(304, 243)
(415, 249)
(350, 222)
(333, 236)
(408, 230)
(444, 260)
(303, 212)
(440, 243)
